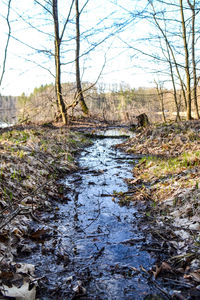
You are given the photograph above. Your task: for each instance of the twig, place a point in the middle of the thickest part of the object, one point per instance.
(10, 217)
(145, 273)
(7, 42)
(120, 193)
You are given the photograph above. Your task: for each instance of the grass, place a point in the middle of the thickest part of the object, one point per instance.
(169, 175)
(31, 157)
(159, 167)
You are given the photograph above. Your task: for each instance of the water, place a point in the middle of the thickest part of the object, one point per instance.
(3, 124)
(95, 245)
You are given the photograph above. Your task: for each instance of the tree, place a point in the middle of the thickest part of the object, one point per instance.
(7, 43)
(187, 65)
(80, 96)
(57, 41)
(193, 9)
(180, 40)
(171, 60)
(160, 92)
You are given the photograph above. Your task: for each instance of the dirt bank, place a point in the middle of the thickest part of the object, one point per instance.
(33, 158)
(167, 177)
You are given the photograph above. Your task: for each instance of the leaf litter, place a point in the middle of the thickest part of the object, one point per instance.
(33, 158)
(166, 184)
(31, 162)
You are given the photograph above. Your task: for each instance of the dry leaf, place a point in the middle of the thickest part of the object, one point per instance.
(22, 293)
(25, 268)
(165, 267)
(38, 234)
(193, 275)
(156, 272)
(6, 275)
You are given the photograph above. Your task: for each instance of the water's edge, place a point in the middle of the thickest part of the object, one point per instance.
(95, 247)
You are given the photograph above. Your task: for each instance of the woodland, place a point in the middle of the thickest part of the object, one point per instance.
(99, 181)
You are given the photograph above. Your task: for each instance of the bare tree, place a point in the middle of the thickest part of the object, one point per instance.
(187, 65)
(7, 42)
(192, 7)
(57, 41)
(78, 79)
(179, 34)
(160, 92)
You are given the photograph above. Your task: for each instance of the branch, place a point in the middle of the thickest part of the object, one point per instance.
(8, 39)
(37, 64)
(75, 102)
(83, 7)
(44, 7)
(67, 20)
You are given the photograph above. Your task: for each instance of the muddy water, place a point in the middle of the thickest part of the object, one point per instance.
(95, 245)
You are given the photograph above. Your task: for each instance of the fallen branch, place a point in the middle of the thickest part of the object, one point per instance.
(10, 217)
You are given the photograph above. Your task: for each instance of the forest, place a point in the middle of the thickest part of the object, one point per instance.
(100, 150)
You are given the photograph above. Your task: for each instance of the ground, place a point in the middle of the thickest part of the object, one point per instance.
(33, 158)
(168, 177)
(165, 185)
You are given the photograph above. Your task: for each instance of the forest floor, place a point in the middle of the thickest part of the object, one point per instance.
(33, 158)
(168, 174)
(165, 184)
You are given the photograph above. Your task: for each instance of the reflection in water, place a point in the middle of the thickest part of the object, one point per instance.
(97, 239)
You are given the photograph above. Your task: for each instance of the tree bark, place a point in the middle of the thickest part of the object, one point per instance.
(174, 86)
(192, 6)
(79, 95)
(58, 87)
(170, 50)
(160, 96)
(7, 42)
(187, 68)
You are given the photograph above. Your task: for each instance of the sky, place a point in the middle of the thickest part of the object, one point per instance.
(30, 65)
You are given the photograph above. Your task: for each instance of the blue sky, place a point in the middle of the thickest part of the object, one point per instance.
(28, 66)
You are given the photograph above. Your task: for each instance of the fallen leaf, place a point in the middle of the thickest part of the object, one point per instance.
(193, 275)
(165, 267)
(25, 268)
(3, 237)
(22, 293)
(39, 234)
(6, 275)
(156, 272)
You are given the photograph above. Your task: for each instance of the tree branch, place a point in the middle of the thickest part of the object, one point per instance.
(8, 39)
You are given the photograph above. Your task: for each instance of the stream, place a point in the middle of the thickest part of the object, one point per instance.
(95, 247)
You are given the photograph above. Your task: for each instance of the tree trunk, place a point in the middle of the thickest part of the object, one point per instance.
(58, 87)
(7, 42)
(187, 68)
(193, 59)
(170, 50)
(160, 96)
(79, 95)
(174, 86)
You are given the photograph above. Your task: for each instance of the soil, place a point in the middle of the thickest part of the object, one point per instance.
(168, 176)
(34, 159)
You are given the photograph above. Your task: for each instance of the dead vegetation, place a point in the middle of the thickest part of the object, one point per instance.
(168, 175)
(32, 160)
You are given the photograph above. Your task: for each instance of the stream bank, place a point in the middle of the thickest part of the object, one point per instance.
(77, 243)
(95, 251)
(52, 249)
(169, 176)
